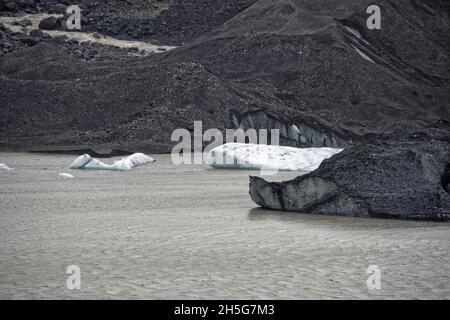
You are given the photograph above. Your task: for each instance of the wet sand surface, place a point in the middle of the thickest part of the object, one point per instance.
(168, 232)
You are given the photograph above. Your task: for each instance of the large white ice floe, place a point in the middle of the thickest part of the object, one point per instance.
(126, 164)
(4, 167)
(267, 157)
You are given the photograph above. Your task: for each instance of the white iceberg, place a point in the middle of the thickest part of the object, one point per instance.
(268, 157)
(66, 176)
(4, 167)
(126, 164)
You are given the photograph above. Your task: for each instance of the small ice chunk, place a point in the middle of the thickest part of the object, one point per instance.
(4, 167)
(268, 157)
(66, 176)
(126, 164)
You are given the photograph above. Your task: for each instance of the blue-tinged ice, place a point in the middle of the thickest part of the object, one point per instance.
(4, 167)
(126, 164)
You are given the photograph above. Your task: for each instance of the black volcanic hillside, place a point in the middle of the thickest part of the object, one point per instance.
(275, 64)
(327, 64)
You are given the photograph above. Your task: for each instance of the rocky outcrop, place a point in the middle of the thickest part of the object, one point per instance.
(171, 22)
(50, 23)
(23, 23)
(16, 41)
(401, 176)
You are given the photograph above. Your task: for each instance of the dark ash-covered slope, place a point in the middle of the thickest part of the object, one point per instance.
(400, 176)
(296, 65)
(317, 60)
(59, 100)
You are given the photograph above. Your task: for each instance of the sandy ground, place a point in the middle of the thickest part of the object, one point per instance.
(80, 36)
(163, 232)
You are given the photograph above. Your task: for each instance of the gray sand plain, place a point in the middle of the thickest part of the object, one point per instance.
(192, 232)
